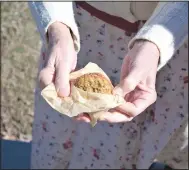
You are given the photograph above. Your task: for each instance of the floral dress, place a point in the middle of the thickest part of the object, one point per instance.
(160, 133)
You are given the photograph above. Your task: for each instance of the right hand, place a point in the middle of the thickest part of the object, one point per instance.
(60, 59)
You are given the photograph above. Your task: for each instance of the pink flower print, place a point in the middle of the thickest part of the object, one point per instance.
(78, 7)
(183, 69)
(100, 55)
(111, 47)
(68, 144)
(96, 153)
(128, 33)
(133, 166)
(79, 13)
(88, 36)
(127, 159)
(156, 122)
(101, 30)
(120, 58)
(115, 71)
(155, 147)
(185, 79)
(152, 115)
(181, 115)
(44, 126)
(89, 51)
(99, 42)
(138, 152)
(142, 156)
(119, 38)
(122, 49)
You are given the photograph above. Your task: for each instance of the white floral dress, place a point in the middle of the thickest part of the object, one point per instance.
(160, 133)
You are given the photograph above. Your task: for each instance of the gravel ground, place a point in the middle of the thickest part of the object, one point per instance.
(20, 47)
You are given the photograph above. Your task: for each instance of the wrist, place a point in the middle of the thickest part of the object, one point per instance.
(147, 45)
(58, 30)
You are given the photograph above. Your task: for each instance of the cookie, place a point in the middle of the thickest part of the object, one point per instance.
(94, 82)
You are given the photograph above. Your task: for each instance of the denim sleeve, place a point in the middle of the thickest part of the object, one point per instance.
(46, 13)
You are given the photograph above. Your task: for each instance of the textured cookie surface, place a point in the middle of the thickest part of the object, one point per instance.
(94, 82)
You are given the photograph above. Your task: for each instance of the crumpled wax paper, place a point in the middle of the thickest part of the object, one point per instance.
(81, 101)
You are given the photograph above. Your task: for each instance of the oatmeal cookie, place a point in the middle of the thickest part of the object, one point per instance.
(94, 82)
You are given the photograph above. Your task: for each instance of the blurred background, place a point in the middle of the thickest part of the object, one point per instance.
(20, 47)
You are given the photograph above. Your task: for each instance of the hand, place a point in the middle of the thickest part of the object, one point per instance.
(137, 83)
(61, 59)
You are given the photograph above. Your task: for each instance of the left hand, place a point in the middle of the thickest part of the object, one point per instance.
(137, 83)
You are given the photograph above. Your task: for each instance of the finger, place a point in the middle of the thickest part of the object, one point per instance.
(144, 101)
(83, 117)
(128, 84)
(135, 68)
(139, 102)
(128, 109)
(62, 83)
(131, 76)
(47, 74)
(115, 117)
(74, 63)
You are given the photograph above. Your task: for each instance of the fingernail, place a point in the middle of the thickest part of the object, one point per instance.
(118, 91)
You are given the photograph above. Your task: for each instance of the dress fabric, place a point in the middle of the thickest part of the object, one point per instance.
(161, 132)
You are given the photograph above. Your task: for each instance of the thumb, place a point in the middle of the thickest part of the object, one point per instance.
(46, 76)
(62, 83)
(127, 84)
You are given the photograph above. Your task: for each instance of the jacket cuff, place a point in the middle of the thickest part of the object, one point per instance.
(46, 13)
